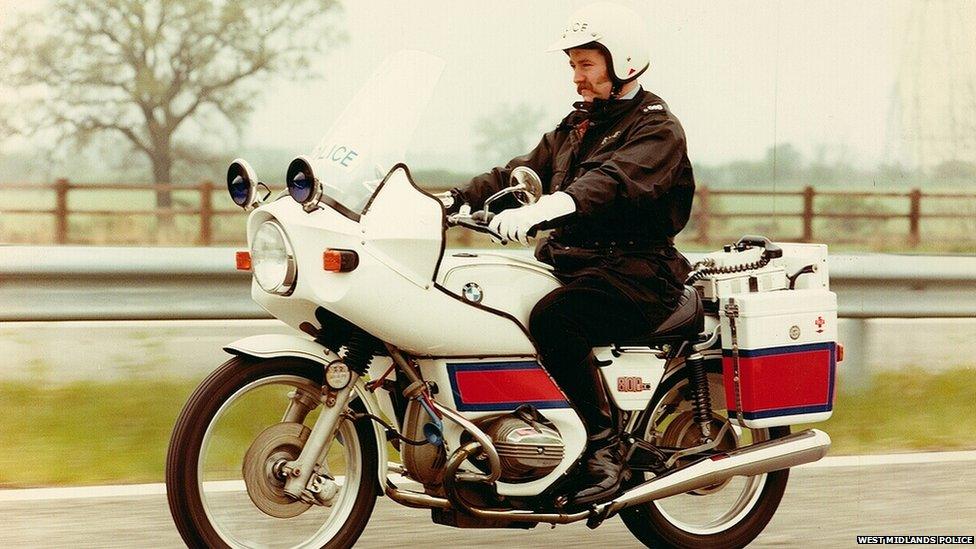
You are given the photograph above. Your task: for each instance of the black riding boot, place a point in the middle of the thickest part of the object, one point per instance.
(603, 466)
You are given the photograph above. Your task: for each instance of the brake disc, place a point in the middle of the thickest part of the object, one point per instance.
(263, 476)
(684, 432)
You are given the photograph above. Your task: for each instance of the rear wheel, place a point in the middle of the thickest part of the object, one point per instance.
(725, 515)
(224, 477)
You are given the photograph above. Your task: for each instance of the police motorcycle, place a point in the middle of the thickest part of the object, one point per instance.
(412, 376)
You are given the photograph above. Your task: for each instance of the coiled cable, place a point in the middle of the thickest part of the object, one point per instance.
(707, 267)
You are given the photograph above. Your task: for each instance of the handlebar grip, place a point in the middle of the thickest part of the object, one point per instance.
(481, 228)
(482, 216)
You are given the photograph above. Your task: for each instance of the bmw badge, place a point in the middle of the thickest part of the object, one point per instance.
(472, 292)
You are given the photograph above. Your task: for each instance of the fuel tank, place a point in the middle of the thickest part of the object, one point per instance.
(500, 282)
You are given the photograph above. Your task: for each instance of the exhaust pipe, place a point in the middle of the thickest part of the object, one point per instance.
(764, 457)
(782, 453)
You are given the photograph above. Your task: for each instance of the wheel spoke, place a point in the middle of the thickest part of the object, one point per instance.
(246, 508)
(719, 507)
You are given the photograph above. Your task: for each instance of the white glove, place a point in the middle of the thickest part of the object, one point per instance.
(515, 223)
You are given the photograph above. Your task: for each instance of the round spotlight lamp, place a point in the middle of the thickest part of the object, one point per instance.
(242, 183)
(302, 184)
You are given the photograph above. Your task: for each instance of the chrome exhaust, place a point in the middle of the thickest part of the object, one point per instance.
(416, 500)
(451, 475)
(755, 459)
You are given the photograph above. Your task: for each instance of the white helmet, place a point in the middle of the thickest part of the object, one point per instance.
(618, 29)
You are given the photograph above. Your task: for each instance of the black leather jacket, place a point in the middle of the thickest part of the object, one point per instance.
(632, 182)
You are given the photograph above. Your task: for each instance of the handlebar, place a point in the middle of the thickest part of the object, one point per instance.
(477, 221)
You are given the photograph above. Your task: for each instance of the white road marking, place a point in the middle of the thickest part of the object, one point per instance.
(81, 492)
(891, 459)
(131, 490)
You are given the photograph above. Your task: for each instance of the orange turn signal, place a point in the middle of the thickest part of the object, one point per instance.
(243, 261)
(840, 352)
(340, 261)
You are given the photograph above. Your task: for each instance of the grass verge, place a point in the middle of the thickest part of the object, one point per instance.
(96, 433)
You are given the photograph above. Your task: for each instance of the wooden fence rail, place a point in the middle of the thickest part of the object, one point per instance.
(205, 212)
(708, 209)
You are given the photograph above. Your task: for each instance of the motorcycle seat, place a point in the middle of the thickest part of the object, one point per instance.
(686, 322)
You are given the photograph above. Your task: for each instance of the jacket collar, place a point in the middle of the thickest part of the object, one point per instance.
(601, 110)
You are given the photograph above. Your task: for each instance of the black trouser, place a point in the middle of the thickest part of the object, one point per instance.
(568, 322)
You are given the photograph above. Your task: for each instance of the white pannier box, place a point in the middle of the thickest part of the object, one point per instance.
(779, 356)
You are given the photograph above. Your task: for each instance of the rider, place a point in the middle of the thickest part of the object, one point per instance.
(620, 187)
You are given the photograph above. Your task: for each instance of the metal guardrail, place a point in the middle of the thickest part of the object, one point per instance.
(99, 283)
(131, 284)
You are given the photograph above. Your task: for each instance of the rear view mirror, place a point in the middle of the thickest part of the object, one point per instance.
(527, 185)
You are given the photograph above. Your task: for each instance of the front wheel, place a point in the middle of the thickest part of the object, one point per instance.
(726, 515)
(224, 478)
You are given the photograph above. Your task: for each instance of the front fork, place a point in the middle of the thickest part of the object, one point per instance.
(299, 472)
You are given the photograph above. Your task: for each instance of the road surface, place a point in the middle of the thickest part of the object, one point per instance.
(824, 506)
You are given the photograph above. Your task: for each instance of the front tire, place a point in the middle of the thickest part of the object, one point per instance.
(235, 415)
(728, 515)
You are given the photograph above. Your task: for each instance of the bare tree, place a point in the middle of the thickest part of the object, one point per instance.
(147, 70)
(507, 132)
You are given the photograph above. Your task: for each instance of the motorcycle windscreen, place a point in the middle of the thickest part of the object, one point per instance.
(403, 228)
(372, 134)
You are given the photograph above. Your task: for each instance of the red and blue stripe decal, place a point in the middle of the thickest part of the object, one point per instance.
(782, 381)
(503, 386)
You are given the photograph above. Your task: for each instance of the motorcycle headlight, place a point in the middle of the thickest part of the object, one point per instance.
(273, 260)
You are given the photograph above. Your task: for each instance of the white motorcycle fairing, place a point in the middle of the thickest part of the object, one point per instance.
(392, 290)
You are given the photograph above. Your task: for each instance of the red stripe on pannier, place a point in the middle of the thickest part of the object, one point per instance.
(497, 386)
(777, 381)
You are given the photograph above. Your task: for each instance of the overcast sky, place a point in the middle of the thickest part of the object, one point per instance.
(741, 76)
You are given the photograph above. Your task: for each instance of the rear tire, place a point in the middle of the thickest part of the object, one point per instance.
(653, 524)
(192, 511)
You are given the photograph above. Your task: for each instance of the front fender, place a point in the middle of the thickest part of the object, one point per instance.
(278, 345)
(283, 345)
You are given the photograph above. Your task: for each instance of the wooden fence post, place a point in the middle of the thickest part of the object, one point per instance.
(61, 211)
(206, 213)
(703, 214)
(808, 195)
(914, 213)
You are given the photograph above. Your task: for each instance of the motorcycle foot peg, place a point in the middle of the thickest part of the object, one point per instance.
(597, 516)
(643, 456)
(561, 502)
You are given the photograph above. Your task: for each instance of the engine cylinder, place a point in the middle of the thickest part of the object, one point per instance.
(528, 449)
